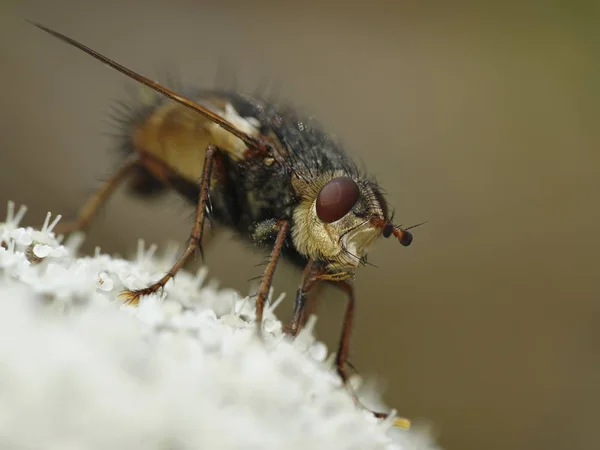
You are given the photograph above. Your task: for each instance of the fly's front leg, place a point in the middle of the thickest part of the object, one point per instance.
(308, 280)
(312, 273)
(195, 241)
(341, 361)
(93, 204)
(306, 295)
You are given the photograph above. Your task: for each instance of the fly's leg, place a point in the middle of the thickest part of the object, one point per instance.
(195, 241)
(263, 290)
(93, 204)
(299, 316)
(310, 276)
(341, 361)
(306, 304)
(310, 306)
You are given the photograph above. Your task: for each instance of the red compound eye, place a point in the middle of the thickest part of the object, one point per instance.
(336, 199)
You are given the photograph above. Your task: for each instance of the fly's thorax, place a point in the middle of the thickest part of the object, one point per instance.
(318, 233)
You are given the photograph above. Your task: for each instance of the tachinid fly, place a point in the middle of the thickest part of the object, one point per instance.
(275, 178)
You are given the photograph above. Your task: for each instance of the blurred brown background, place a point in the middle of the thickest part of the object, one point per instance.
(482, 120)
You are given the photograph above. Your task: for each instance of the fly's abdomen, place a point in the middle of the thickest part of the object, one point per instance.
(172, 139)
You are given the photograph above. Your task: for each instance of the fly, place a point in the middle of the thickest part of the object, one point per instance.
(274, 177)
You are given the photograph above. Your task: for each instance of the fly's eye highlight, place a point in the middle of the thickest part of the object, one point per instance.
(336, 199)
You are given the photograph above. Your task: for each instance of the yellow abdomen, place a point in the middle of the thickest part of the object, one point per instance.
(177, 137)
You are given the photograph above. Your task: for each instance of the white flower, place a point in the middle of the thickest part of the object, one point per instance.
(82, 371)
(12, 220)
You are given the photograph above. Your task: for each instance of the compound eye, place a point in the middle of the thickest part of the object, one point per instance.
(336, 199)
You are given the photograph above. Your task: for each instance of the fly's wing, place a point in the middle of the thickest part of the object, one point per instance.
(226, 124)
(176, 136)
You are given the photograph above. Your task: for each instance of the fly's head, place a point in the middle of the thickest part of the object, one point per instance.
(339, 217)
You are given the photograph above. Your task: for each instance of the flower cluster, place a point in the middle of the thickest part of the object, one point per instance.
(184, 370)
